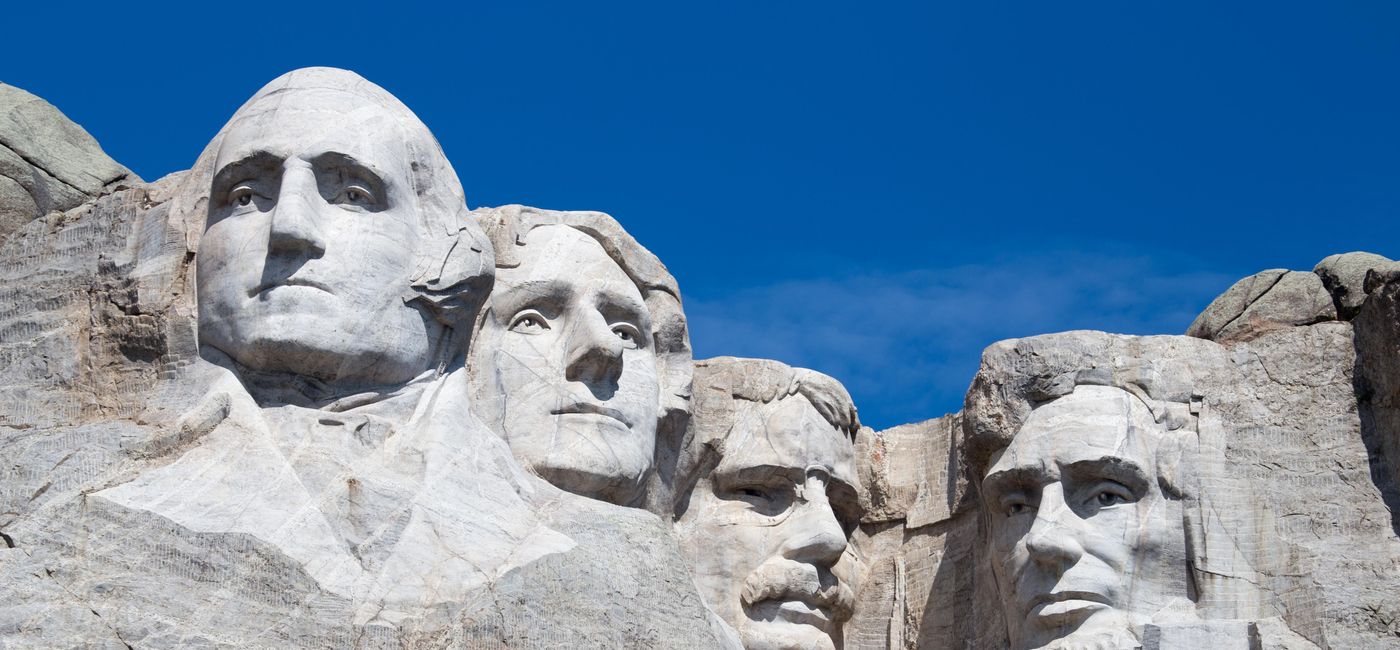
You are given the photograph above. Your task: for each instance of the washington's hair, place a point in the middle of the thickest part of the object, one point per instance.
(453, 267)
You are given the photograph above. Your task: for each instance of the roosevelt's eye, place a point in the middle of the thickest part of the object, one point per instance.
(631, 338)
(1015, 504)
(241, 196)
(759, 498)
(529, 322)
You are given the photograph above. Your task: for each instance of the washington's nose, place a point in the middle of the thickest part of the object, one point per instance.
(814, 535)
(1053, 540)
(294, 226)
(594, 355)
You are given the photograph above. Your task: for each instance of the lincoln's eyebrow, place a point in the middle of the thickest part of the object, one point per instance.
(1016, 478)
(250, 166)
(1113, 468)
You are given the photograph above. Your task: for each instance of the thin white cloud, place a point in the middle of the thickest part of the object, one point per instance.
(906, 344)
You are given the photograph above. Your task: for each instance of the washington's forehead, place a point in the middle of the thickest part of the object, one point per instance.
(365, 131)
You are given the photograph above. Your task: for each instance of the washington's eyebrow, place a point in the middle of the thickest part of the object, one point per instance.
(366, 170)
(250, 166)
(1110, 467)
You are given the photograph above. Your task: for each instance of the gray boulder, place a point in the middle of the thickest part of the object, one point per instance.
(1344, 276)
(47, 162)
(1265, 301)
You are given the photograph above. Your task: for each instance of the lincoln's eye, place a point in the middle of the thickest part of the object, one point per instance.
(1109, 499)
(245, 199)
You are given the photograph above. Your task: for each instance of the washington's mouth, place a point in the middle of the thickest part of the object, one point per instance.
(585, 408)
(288, 282)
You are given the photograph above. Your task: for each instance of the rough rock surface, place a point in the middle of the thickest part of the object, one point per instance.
(1344, 275)
(47, 163)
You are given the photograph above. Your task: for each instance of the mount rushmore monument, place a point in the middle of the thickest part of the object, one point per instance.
(302, 396)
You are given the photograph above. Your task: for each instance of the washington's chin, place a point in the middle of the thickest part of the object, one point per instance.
(321, 347)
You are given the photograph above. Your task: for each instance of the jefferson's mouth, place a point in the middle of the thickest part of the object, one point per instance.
(587, 408)
(288, 282)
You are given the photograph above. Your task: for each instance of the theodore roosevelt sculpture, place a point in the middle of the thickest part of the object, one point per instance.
(582, 354)
(772, 501)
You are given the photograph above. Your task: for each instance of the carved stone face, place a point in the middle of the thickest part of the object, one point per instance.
(766, 529)
(1084, 543)
(566, 368)
(313, 227)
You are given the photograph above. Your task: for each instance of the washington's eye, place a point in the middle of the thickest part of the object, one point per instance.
(241, 196)
(529, 322)
(631, 338)
(1112, 493)
(357, 195)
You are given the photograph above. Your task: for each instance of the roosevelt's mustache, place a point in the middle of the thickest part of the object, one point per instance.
(787, 580)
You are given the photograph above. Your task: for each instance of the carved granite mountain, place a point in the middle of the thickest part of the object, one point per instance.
(1233, 487)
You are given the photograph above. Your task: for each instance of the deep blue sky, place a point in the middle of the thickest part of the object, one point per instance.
(874, 190)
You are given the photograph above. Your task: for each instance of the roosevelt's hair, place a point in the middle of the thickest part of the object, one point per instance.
(765, 380)
(722, 385)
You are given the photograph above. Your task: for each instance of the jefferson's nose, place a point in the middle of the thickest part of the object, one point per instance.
(1053, 540)
(594, 355)
(294, 226)
(813, 534)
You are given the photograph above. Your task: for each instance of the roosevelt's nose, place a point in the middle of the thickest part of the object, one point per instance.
(1053, 540)
(594, 355)
(813, 534)
(294, 228)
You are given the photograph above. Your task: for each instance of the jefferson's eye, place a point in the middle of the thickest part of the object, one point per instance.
(529, 322)
(631, 338)
(241, 196)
